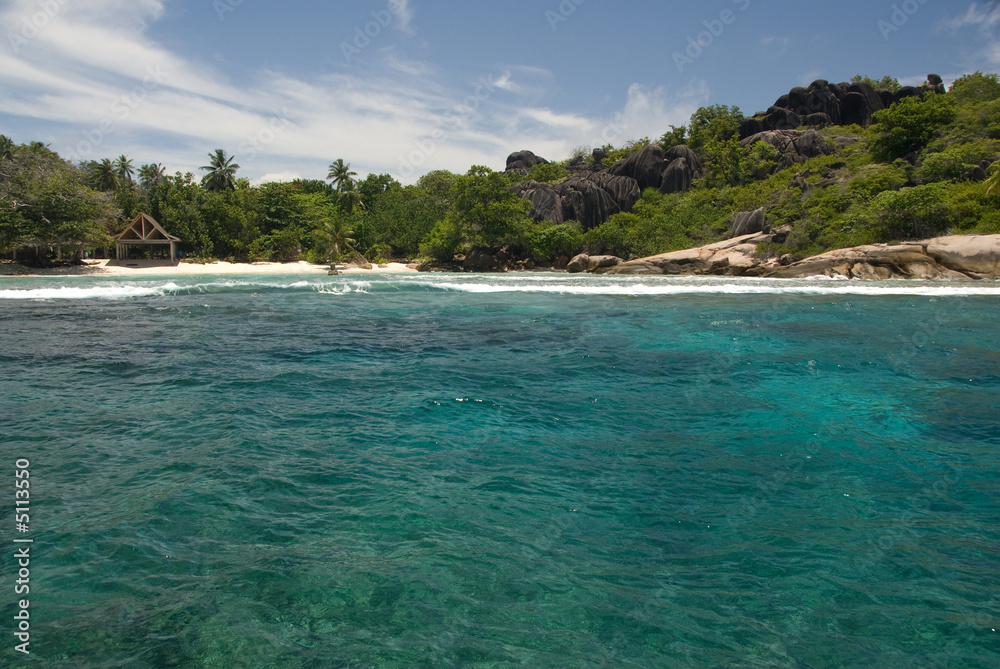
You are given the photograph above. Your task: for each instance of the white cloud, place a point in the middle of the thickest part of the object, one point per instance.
(90, 82)
(985, 17)
(278, 177)
(504, 82)
(412, 68)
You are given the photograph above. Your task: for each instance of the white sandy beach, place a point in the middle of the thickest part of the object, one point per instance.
(102, 268)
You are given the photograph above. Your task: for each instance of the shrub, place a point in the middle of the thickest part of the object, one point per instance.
(954, 162)
(556, 240)
(442, 241)
(909, 125)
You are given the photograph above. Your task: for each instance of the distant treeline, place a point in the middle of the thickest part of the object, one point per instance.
(917, 171)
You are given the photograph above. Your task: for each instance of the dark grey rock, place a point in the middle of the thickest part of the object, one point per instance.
(751, 126)
(522, 161)
(645, 166)
(748, 222)
(854, 109)
(781, 119)
(817, 120)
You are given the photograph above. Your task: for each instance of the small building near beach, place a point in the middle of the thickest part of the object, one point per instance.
(146, 234)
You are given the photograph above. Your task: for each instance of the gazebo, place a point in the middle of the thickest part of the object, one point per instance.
(144, 231)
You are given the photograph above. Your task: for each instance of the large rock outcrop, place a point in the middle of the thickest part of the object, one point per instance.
(748, 223)
(972, 254)
(645, 166)
(590, 198)
(522, 161)
(544, 198)
(823, 103)
(874, 261)
(794, 146)
(683, 166)
(670, 171)
(733, 257)
(588, 263)
(956, 258)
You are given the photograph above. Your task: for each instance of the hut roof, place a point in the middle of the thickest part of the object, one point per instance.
(145, 229)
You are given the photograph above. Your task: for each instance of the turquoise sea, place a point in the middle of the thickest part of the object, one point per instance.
(525, 470)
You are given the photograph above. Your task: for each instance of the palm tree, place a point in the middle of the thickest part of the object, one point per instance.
(994, 180)
(340, 173)
(103, 175)
(351, 199)
(6, 147)
(221, 172)
(150, 175)
(123, 165)
(334, 236)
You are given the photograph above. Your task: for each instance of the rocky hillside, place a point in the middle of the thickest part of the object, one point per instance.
(830, 165)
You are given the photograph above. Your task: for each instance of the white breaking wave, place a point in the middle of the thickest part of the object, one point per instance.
(586, 285)
(93, 292)
(735, 287)
(346, 289)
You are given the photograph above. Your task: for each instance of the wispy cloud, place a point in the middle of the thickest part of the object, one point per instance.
(105, 88)
(985, 19)
(983, 16)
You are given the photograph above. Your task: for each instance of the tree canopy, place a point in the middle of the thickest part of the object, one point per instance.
(928, 165)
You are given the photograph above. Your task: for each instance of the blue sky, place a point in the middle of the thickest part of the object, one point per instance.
(408, 86)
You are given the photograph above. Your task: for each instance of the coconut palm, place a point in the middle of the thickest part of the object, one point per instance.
(150, 175)
(994, 180)
(103, 175)
(221, 172)
(123, 166)
(351, 199)
(334, 237)
(341, 174)
(6, 147)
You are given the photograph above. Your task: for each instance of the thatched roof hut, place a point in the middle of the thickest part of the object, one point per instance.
(145, 231)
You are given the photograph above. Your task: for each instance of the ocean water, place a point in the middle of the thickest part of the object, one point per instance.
(532, 470)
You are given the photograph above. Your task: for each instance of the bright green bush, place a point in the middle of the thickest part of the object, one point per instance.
(871, 180)
(954, 162)
(549, 173)
(556, 240)
(442, 241)
(910, 124)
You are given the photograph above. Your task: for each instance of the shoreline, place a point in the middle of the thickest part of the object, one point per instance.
(100, 268)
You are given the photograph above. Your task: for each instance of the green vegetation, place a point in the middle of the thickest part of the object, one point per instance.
(927, 166)
(890, 84)
(915, 173)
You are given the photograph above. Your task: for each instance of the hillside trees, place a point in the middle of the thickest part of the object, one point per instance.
(910, 124)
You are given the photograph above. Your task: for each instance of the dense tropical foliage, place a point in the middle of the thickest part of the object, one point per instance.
(927, 166)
